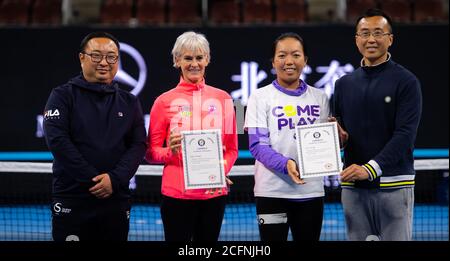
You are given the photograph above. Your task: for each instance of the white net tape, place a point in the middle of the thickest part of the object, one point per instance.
(156, 170)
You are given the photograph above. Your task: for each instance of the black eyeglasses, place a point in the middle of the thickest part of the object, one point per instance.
(376, 34)
(96, 57)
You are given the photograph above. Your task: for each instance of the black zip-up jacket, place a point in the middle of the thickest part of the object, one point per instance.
(91, 129)
(380, 108)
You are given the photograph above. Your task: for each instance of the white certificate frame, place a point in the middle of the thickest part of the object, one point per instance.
(318, 150)
(203, 164)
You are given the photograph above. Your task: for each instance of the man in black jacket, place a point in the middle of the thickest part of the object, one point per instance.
(96, 134)
(379, 107)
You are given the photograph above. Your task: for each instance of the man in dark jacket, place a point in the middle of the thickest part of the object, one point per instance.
(96, 134)
(379, 107)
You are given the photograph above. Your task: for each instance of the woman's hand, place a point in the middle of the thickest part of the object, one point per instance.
(293, 172)
(175, 142)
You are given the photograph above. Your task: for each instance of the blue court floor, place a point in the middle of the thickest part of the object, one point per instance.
(33, 222)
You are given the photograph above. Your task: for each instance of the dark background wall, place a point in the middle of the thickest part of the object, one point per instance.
(36, 60)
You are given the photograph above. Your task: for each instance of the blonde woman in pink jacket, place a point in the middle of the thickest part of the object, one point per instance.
(190, 214)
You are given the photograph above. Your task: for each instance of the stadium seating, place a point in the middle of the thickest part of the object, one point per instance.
(46, 12)
(184, 11)
(429, 11)
(224, 12)
(14, 12)
(290, 11)
(257, 12)
(398, 10)
(151, 12)
(116, 12)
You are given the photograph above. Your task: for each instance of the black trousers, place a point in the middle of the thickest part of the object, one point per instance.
(192, 220)
(277, 215)
(88, 219)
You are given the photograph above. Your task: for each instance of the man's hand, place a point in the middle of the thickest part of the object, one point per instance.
(103, 188)
(354, 172)
(343, 135)
(291, 167)
(175, 142)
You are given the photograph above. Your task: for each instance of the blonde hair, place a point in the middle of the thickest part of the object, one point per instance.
(191, 41)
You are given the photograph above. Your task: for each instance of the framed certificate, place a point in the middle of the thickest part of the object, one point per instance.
(318, 150)
(203, 159)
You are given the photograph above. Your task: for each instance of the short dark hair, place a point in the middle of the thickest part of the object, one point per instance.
(376, 12)
(289, 35)
(90, 36)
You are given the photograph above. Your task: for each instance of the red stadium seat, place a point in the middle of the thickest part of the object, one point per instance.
(46, 12)
(224, 11)
(290, 11)
(14, 12)
(257, 12)
(116, 12)
(355, 8)
(151, 11)
(398, 10)
(184, 11)
(429, 11)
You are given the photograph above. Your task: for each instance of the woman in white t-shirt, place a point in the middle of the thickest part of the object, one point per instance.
(283, 200)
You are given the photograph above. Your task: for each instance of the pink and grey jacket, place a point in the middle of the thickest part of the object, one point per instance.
(189, 107)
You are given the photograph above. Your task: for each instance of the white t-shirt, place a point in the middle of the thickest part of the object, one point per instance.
(279, 113)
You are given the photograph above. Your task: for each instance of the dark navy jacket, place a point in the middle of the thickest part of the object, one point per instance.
(380, 108)
(92, 129)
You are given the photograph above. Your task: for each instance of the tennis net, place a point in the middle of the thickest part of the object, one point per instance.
(25, 193)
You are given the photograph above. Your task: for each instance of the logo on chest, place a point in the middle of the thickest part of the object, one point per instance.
(51, 114)
(185, 110)
(212, 109)
(289, 116)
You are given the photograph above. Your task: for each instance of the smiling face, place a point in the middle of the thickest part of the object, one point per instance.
(99, 72)
(373, 49)
(192, 65)
(288, 62)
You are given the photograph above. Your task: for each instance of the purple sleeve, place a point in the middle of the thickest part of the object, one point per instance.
(260, 148)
